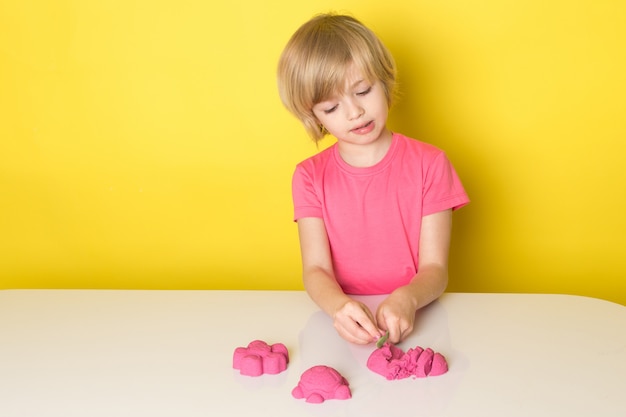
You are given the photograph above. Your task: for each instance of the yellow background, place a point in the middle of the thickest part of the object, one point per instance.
(143, 144)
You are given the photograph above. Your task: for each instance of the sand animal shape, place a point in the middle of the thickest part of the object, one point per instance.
(259, 358)
(321, 383)
(393, 363)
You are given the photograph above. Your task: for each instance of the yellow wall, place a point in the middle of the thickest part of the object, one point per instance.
(143, 144)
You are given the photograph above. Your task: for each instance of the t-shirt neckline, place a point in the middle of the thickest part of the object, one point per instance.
(379, 166)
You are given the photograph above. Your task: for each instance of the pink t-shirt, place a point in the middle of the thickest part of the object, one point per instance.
(373, 215)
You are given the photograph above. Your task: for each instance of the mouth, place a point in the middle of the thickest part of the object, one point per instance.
(365, 128)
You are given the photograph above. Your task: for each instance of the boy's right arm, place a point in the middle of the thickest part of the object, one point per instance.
(352, 319)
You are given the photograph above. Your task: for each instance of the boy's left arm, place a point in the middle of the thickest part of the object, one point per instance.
(397, 312)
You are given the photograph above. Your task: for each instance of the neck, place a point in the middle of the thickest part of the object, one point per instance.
(363, 156)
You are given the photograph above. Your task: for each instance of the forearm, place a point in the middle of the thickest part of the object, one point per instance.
(324, 290)
(431, 279)
(427, 285)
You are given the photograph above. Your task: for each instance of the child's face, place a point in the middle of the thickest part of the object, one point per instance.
(358, 115)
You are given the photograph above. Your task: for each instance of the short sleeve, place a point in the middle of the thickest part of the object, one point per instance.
(306, 202)
(442, 187)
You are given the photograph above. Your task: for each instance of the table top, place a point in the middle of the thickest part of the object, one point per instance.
(169, 353)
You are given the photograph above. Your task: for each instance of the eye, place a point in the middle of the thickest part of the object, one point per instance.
(364, 92)
(332, 109)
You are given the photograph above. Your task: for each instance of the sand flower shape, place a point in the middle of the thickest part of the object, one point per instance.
(259, 358)
(393, 363)
(321, 383)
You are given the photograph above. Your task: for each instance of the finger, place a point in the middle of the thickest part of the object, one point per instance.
(392, 325)
(395, 334)
(365, 320)
(358, 323)
(366, 329)
(405, 333)
(353, 332)
(370, 331)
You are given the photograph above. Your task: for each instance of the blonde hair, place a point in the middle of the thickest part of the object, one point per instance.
(316, 60)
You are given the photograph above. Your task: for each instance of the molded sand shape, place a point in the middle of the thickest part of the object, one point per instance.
(392, 363)
(321, 383)
(259, 358)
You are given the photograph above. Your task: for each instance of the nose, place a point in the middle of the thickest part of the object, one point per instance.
(354, 109)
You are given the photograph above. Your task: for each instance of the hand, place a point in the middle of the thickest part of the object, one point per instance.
(355, 323)
(397, 314)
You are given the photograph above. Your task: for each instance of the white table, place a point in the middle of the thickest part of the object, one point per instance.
(89, 353)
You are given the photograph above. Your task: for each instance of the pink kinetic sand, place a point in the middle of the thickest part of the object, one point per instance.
(321, 383)
(259, 358)
(393, 363)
